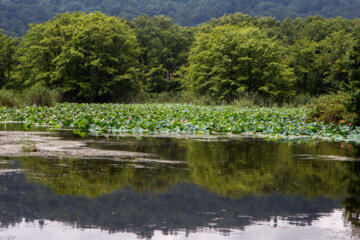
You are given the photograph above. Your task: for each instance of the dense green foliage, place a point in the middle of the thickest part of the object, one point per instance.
(90, 57)
(165, 48)
(97, 58)
(179, 119)
(228, 61)
(7, 59)
(35, 95)
(16, 15)
(353, 103)
(330, 109)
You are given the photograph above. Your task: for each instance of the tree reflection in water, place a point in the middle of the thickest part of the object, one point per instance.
(226, 183)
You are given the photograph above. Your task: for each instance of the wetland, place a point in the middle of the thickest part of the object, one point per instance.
(175, 187)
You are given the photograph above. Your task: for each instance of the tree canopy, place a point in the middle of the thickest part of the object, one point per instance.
(165, 48)
(7, 60)
(90, 57)
(97, 58)
(16, 15)
(228, 61)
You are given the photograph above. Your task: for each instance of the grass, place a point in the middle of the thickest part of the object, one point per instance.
(28, 146)
(180, 119)
(35, 95)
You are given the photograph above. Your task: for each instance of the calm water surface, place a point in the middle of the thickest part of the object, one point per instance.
(224, 188)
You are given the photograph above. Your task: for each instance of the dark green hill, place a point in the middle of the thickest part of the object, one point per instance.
(15, 15)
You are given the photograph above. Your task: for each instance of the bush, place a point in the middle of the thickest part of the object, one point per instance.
(35, 95)
(301, 100)
(9, 98)
(331, 109)
(41, 96)
(353, 105)
(191, 98)
(254, 100)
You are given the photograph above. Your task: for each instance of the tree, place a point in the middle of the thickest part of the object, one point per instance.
(305, 60)
(92, 58)
(165, 48)
(7, 59)
(227, 61)
(334, 60)
(353, 105)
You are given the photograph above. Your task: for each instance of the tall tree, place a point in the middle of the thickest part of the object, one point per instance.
(165, 47)
(91, 57)
(7, 59)
(305, 59)
(335, 49)
(228, 61)
(353, 104)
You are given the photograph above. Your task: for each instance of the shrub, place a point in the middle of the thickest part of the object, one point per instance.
(41, 96)
(331, 109)
(192, 98)
(301, 100)
(9, 98)
(35, 95)
(353, 105)
(254, 100)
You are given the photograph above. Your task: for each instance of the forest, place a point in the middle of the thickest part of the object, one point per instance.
(17, 14)
(79, 57)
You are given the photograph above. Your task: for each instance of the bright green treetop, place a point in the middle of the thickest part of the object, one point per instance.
(227, 61)
(91, 57)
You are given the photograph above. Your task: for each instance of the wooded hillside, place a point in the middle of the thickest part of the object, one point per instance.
(15, 15)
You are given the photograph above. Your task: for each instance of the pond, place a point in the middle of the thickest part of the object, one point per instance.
(166, 187)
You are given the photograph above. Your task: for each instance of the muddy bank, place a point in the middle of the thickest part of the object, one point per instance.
(46, 144)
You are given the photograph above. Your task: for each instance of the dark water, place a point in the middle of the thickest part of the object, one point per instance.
(185, 189)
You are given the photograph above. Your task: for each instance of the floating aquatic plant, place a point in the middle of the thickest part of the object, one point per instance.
(179, 119)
